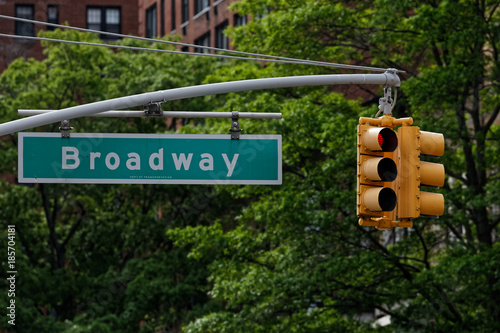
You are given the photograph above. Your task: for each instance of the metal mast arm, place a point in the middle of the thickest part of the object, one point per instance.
(388, 78)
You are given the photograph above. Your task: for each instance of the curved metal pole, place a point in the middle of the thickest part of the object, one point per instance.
(388, 78)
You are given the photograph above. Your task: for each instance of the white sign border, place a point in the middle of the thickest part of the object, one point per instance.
(22, 135)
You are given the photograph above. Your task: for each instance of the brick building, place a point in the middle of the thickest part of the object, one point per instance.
(200, 22)
(109, 15)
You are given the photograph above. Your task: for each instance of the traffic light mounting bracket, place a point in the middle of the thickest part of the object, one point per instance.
(386, 121)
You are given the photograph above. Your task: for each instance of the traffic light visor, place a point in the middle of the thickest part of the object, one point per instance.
(432, 174)
(431, 144)
(432, 204)
(379, 169)
(380, 139)
(380, 199)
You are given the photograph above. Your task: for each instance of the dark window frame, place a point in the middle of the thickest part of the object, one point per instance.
(173, 25)
(221, 40)
(200, 5)
(104, 26)
(49, 20)
(240, 20)
(24, 28)
(162, 17)
(203, 40)
(151, 21)
(185, 10)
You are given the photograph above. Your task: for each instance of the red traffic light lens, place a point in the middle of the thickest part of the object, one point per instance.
(380, 140)
(387, 140)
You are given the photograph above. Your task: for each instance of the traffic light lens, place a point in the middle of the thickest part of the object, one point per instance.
(387, 199)
(387, 140)
(379, 199)
(387, 170)
(377, 139)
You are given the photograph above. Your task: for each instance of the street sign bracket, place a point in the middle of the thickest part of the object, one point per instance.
(235, 126)
(153, 110)
(65, 128)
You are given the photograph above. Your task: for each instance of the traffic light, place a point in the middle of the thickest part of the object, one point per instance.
(412, 202)
(377, 169)
(390, 172)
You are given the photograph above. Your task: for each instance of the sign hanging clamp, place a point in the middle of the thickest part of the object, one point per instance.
(235, 126)
(153, 110)
(65, 128)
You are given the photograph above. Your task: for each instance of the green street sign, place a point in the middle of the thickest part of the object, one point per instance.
(149, 159)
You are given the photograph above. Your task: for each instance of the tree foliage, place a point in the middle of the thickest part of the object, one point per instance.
(95, 258)
(302, 263)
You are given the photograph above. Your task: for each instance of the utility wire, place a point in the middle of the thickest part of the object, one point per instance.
(259, 56)
(154, 40)
(136, 48)
(256, 56)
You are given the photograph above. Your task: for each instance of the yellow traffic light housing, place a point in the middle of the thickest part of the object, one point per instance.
(412, 202)
(390, 172)
(376, 169)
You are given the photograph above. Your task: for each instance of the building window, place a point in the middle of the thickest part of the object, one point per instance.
(173, 12)
(151, 21)
(106, 19)
(52, 16)
(24, 28)
(221, 40)
(185, 11)
(162, 18)
(240, 20)
(199, 5)
(202, 41)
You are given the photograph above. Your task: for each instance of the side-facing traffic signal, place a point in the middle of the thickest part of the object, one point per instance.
(412, 202)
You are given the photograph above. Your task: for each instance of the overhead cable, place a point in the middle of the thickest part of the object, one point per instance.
(256, 56)
(136, 48)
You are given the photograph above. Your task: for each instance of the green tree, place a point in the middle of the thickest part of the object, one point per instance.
(95, 258)
(296, 260)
